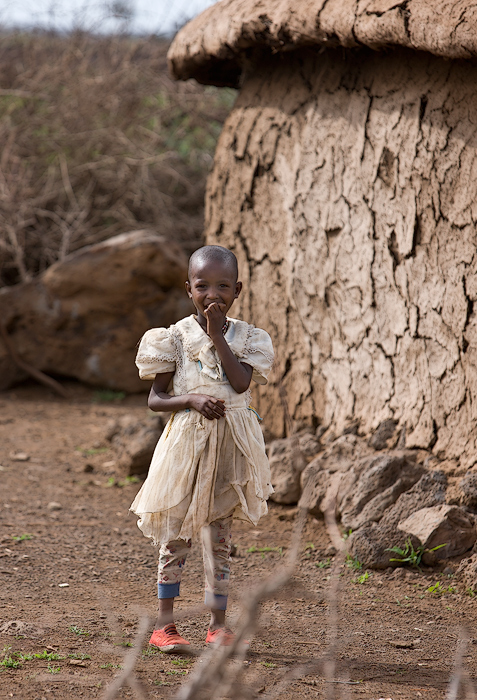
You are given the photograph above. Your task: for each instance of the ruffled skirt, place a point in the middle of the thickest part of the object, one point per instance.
(202, 471)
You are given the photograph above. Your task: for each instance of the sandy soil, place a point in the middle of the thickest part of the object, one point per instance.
(76, 576)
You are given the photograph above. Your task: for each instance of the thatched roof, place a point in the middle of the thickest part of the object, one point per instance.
(212, 47)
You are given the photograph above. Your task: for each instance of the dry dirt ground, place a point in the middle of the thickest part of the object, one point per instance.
(76, 576)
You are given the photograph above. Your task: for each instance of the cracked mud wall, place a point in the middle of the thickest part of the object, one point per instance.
(346, 184)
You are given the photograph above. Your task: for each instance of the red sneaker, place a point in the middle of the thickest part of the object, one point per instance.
(222, 637)
(169, 640)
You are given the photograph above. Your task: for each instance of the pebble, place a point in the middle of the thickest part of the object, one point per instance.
(53, 505)
(19, 456)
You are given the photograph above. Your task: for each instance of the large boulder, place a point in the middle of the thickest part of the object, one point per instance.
(327, 469)
(375, 486)
(83, 317)
(365, 484)
(370, 543)
(288, 459)
(134, 441)
(441, 525)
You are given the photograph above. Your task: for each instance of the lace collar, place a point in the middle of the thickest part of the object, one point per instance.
(199, 347)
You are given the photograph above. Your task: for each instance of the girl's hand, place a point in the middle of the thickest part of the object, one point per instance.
(215, 319)
(210, 407)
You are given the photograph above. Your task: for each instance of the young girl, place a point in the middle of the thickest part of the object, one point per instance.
(209, 465)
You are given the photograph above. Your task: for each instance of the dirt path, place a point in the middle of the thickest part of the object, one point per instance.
(76, 575)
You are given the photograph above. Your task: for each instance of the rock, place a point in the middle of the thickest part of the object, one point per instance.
(380, 482)
(16, 627)
(288, 515)
(19, 456)
(429, 491)
(369, 543)
(384, 432)
(53, 505)
(351, 428)
(365, 487)
(134, 441)
(83, 317)
(468, 490)
(444, 524)
(403, 644)
(310, 445)
(468, 571)
(287, 463)
(316, 479)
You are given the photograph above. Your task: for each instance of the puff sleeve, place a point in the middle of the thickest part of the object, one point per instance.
(259, 355)
(156, 353)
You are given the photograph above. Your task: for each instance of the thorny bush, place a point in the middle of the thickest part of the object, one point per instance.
(97, 140)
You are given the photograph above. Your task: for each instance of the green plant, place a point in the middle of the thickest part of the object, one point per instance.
(81, 657)
(22, 538)
(183, 663)
(353, 563)
(150, 651)
(268, 664)
(52, 669)
(324, 564)
(48, 655)
(264, 550)
(346, 534)
(128, 480)
(175, 672)
(91, 450)
(438, 589)
(470, 592)
(8, 661)
(410, 555)
(363, 578)
(110, 666)
(77, 630)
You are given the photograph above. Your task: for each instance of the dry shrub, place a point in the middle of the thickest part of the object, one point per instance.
(97, 140)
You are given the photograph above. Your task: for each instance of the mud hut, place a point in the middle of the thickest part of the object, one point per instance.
(345, 180)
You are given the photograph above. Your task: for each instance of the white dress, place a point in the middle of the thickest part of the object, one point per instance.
(204, 470)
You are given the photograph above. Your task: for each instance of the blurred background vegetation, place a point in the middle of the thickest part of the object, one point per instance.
(97, 140)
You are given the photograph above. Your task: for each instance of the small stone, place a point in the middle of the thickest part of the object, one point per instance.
(19, 456)
(288, 515)
(53, 505)
(401, 644)
(78, 662)
(63, 585)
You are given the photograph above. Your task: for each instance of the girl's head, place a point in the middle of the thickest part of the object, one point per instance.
(213, 278)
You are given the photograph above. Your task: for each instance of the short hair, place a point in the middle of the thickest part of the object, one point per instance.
(209, 253)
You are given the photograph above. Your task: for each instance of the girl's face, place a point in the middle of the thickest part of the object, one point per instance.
(212, 282)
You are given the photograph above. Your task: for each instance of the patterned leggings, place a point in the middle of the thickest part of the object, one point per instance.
(172, 557)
